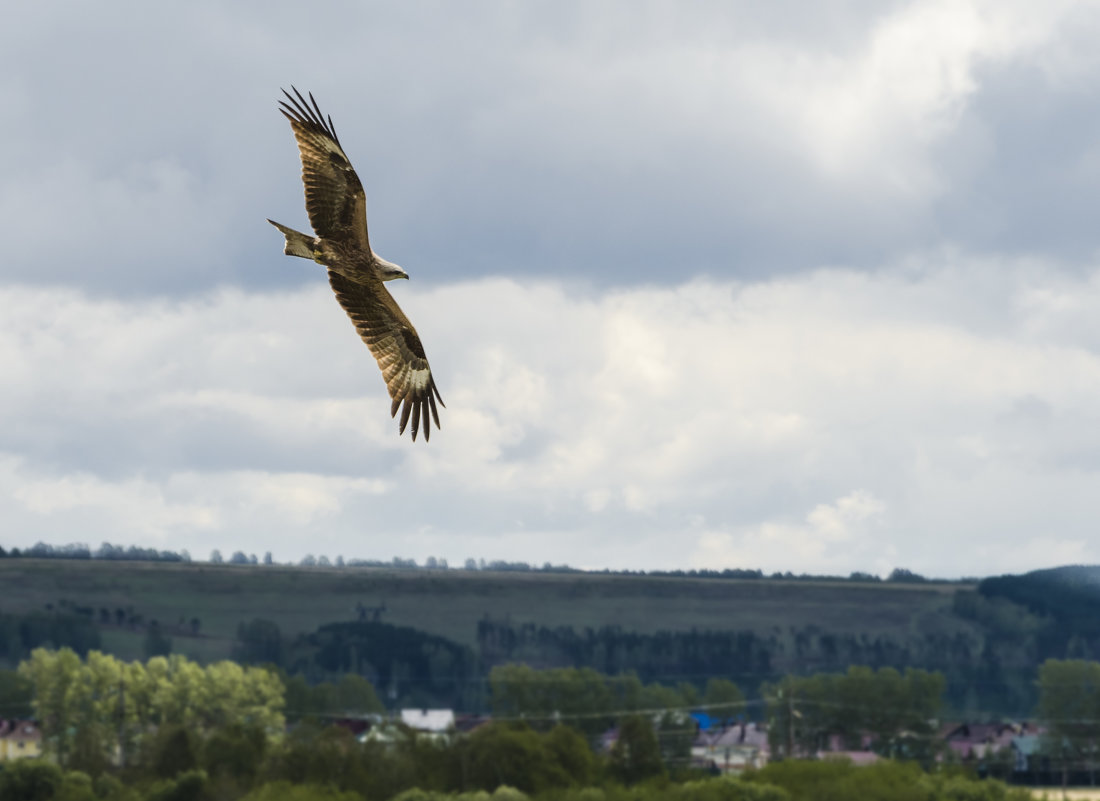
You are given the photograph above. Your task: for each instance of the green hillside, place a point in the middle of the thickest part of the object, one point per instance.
(450, 603)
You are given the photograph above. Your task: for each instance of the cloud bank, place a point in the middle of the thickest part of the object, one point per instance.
(806, 288)
(940, 418)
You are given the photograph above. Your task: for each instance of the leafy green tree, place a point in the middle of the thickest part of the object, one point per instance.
(173, 750)
(76, 786)
(156, 643)
(90, 746)
(569, 695)
(312, 754)
(357, 695)
(109, 787)
(87, 709)
(189, 786)
(636, 754)
(572, 753)
(297, 697)
(514, 755)
(689, 692)
(235, 752)
(723, 700)
(55, 676)
(658, 696)
(285, 791)
(259, 642)
(1069, 703)
(805, 711)
(16, 695)
(30, 780)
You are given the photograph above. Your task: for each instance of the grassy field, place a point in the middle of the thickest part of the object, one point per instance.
(450, 603)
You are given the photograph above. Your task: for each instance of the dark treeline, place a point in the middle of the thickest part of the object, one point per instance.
(21, 634)
(42, 550)
(1065, 602)
(990, 675)
(982, 674)
(420, 668)
(414, 668)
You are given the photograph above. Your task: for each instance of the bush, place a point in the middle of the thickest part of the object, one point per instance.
(883, 781)
(726, 789)
(189, 786)
(285, 791)
(172, 751)
(30, 780)
(960, 788)
(111, 788)
(76, 786)
(506, 793)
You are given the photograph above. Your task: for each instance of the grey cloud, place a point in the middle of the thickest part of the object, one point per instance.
(895, 340)
(616, 145)
(836, 421)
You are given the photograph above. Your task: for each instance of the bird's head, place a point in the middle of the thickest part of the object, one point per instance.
(388, 271)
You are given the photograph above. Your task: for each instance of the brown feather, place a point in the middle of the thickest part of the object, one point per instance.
(335, 200)
(396, 347)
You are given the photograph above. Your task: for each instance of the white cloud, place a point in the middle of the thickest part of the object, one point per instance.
(829, 538)
(940, 418)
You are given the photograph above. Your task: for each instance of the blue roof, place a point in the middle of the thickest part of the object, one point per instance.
(704, 720)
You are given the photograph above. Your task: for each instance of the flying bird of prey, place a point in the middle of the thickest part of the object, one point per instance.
(337, 208)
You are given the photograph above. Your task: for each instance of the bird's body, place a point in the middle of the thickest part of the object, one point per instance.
(337, 210)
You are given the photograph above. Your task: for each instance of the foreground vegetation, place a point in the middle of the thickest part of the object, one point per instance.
(500, 764)
(173, 730)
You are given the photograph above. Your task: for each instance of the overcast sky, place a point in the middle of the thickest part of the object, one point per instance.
(791, 286)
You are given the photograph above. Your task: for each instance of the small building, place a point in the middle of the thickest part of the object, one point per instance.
(1026, 748)
(977, 741)
(411, 724)
(731, 750)
(433, 721)
(20, 739)
(465, 724)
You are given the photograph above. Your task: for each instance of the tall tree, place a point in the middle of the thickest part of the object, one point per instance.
(1069, 702)
(55, 676)
(723, 699)
(636, 754)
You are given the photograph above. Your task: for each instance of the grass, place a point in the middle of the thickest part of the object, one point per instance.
(450, 603)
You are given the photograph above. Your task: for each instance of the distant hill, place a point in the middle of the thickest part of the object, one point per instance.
(411, 629)
(1068, 598)
(449, 603)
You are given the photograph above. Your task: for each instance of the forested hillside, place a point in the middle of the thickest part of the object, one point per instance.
(431, 637)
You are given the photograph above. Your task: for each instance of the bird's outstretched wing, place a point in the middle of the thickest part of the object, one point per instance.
(335, 201)
(396, 347)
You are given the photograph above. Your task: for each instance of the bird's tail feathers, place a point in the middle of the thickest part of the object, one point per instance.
(297, 243)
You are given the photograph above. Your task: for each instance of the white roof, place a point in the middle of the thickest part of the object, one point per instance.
(428, 719)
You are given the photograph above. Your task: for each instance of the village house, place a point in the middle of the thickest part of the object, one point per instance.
(19, 739)
(974, 742)
(733, 749)
(429, 721)
(432, 723)
(835, 748)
